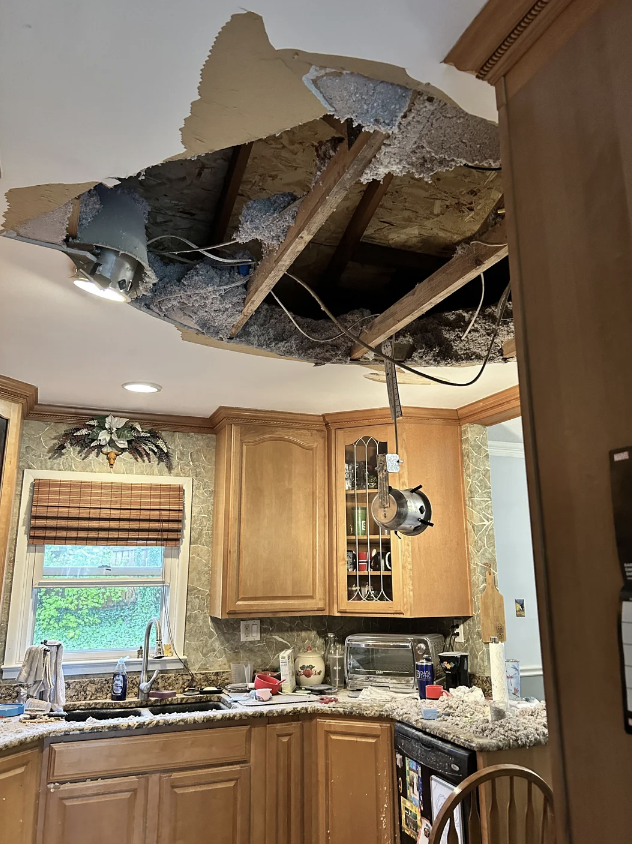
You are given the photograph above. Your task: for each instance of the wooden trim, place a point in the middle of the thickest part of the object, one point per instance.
(13, 411)
(224, 416)
(491, 410)
(344, 169)
(477, 257)
(382, 416)
(18, 392)
(165, 422)
(509, 348)
(230, 189)
(502, 33)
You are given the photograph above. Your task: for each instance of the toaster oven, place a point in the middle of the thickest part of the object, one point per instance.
(388, 660)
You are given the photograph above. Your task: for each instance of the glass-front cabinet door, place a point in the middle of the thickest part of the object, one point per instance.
(368, 556)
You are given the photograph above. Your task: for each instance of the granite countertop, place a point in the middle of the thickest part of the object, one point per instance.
(468, 727)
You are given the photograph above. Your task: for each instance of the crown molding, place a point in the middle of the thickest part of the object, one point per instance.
(224, 416)
(501, 449)
(167, 422)
(382, 416)
(500, 407)
(18, 392)
(502, 33)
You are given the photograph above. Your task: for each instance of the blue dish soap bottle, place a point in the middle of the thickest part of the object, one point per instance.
(119, 681)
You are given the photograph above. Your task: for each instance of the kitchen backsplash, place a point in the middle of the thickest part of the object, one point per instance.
(210, 644)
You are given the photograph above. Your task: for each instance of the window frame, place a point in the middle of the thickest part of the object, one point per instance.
(28, 560)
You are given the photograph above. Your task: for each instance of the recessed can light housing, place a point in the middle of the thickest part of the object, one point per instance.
(105, 293)
(142, 387)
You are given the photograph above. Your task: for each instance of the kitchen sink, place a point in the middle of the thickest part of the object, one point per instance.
(100, 714)
(166, 708)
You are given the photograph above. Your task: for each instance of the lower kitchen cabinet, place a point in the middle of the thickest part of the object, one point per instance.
(101, 812)
(19, 780)
(284, 799)
(355, 782)
(196, 806)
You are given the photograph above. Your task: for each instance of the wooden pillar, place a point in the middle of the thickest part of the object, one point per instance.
(16, 400)
(563, 76)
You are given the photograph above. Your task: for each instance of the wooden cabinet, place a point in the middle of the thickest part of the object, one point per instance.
(202, 805)
(19, 780)
(422, 576)
(270, 526)
(284, 803)
(101, 812)
(355, 782)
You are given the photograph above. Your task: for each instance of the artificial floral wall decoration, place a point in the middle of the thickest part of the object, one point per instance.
(112, 436)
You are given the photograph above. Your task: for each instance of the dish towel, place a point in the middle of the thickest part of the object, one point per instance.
(35, 672)
(58, 687)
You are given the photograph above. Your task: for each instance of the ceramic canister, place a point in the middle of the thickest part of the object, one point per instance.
(309, 668)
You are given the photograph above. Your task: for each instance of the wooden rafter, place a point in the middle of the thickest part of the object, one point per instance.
(362, 216)
(230, 189)
(477, 257)
(344, 169)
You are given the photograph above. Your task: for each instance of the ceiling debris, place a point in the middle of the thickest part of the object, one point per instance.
(268, 220)
(435, 136)
(25, 204)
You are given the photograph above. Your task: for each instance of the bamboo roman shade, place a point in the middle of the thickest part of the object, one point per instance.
(87, 513)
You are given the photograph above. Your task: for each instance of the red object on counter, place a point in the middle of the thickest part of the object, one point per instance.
(267, 681)
(433, 692)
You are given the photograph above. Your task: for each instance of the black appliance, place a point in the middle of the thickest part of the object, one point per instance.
(455, 666)
(427, 770)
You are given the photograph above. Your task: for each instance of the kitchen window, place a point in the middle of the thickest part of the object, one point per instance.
(97, 598)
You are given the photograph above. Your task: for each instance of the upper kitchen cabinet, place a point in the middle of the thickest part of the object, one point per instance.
(377, 572)
(270, 524)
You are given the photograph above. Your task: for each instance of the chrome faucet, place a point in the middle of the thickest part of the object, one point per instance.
(144, 686)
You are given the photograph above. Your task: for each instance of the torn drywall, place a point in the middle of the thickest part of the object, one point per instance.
(434, 136)
(268, 220)
(50, 227)
(27, 203)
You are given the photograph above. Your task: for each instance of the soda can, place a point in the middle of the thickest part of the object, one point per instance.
(424, 672)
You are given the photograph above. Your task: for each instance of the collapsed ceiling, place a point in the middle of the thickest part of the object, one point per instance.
(431, 187)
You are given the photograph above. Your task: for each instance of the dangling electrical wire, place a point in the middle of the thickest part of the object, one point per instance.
(478, 310)
(230, 261)
(501, 310)
(304, 333)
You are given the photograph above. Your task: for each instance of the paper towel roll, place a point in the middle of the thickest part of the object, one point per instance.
(497, 668)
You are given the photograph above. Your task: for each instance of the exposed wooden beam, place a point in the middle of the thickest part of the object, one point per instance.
(477, 257)
(344, 169)
(362, 216)
(230, 189)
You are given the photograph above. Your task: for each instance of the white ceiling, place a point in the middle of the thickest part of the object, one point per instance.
(90, 91)
(79, 349)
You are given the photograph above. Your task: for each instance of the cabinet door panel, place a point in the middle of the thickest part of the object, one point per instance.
(353, 586)
(208, 805)
(355, 782)
(277, 551)
(284, 781)
(18, 796)
(96, 812)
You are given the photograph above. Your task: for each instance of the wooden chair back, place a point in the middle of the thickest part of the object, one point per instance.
(508, 804)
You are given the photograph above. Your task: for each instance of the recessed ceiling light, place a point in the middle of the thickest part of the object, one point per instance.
(108, 293)
(142, 387)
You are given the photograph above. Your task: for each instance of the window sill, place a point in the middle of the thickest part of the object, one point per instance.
(102, 666)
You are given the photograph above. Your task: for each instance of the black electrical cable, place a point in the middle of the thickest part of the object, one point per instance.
(483, 169)
(501, 310)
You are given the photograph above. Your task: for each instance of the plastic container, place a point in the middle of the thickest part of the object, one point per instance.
(9, 710)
